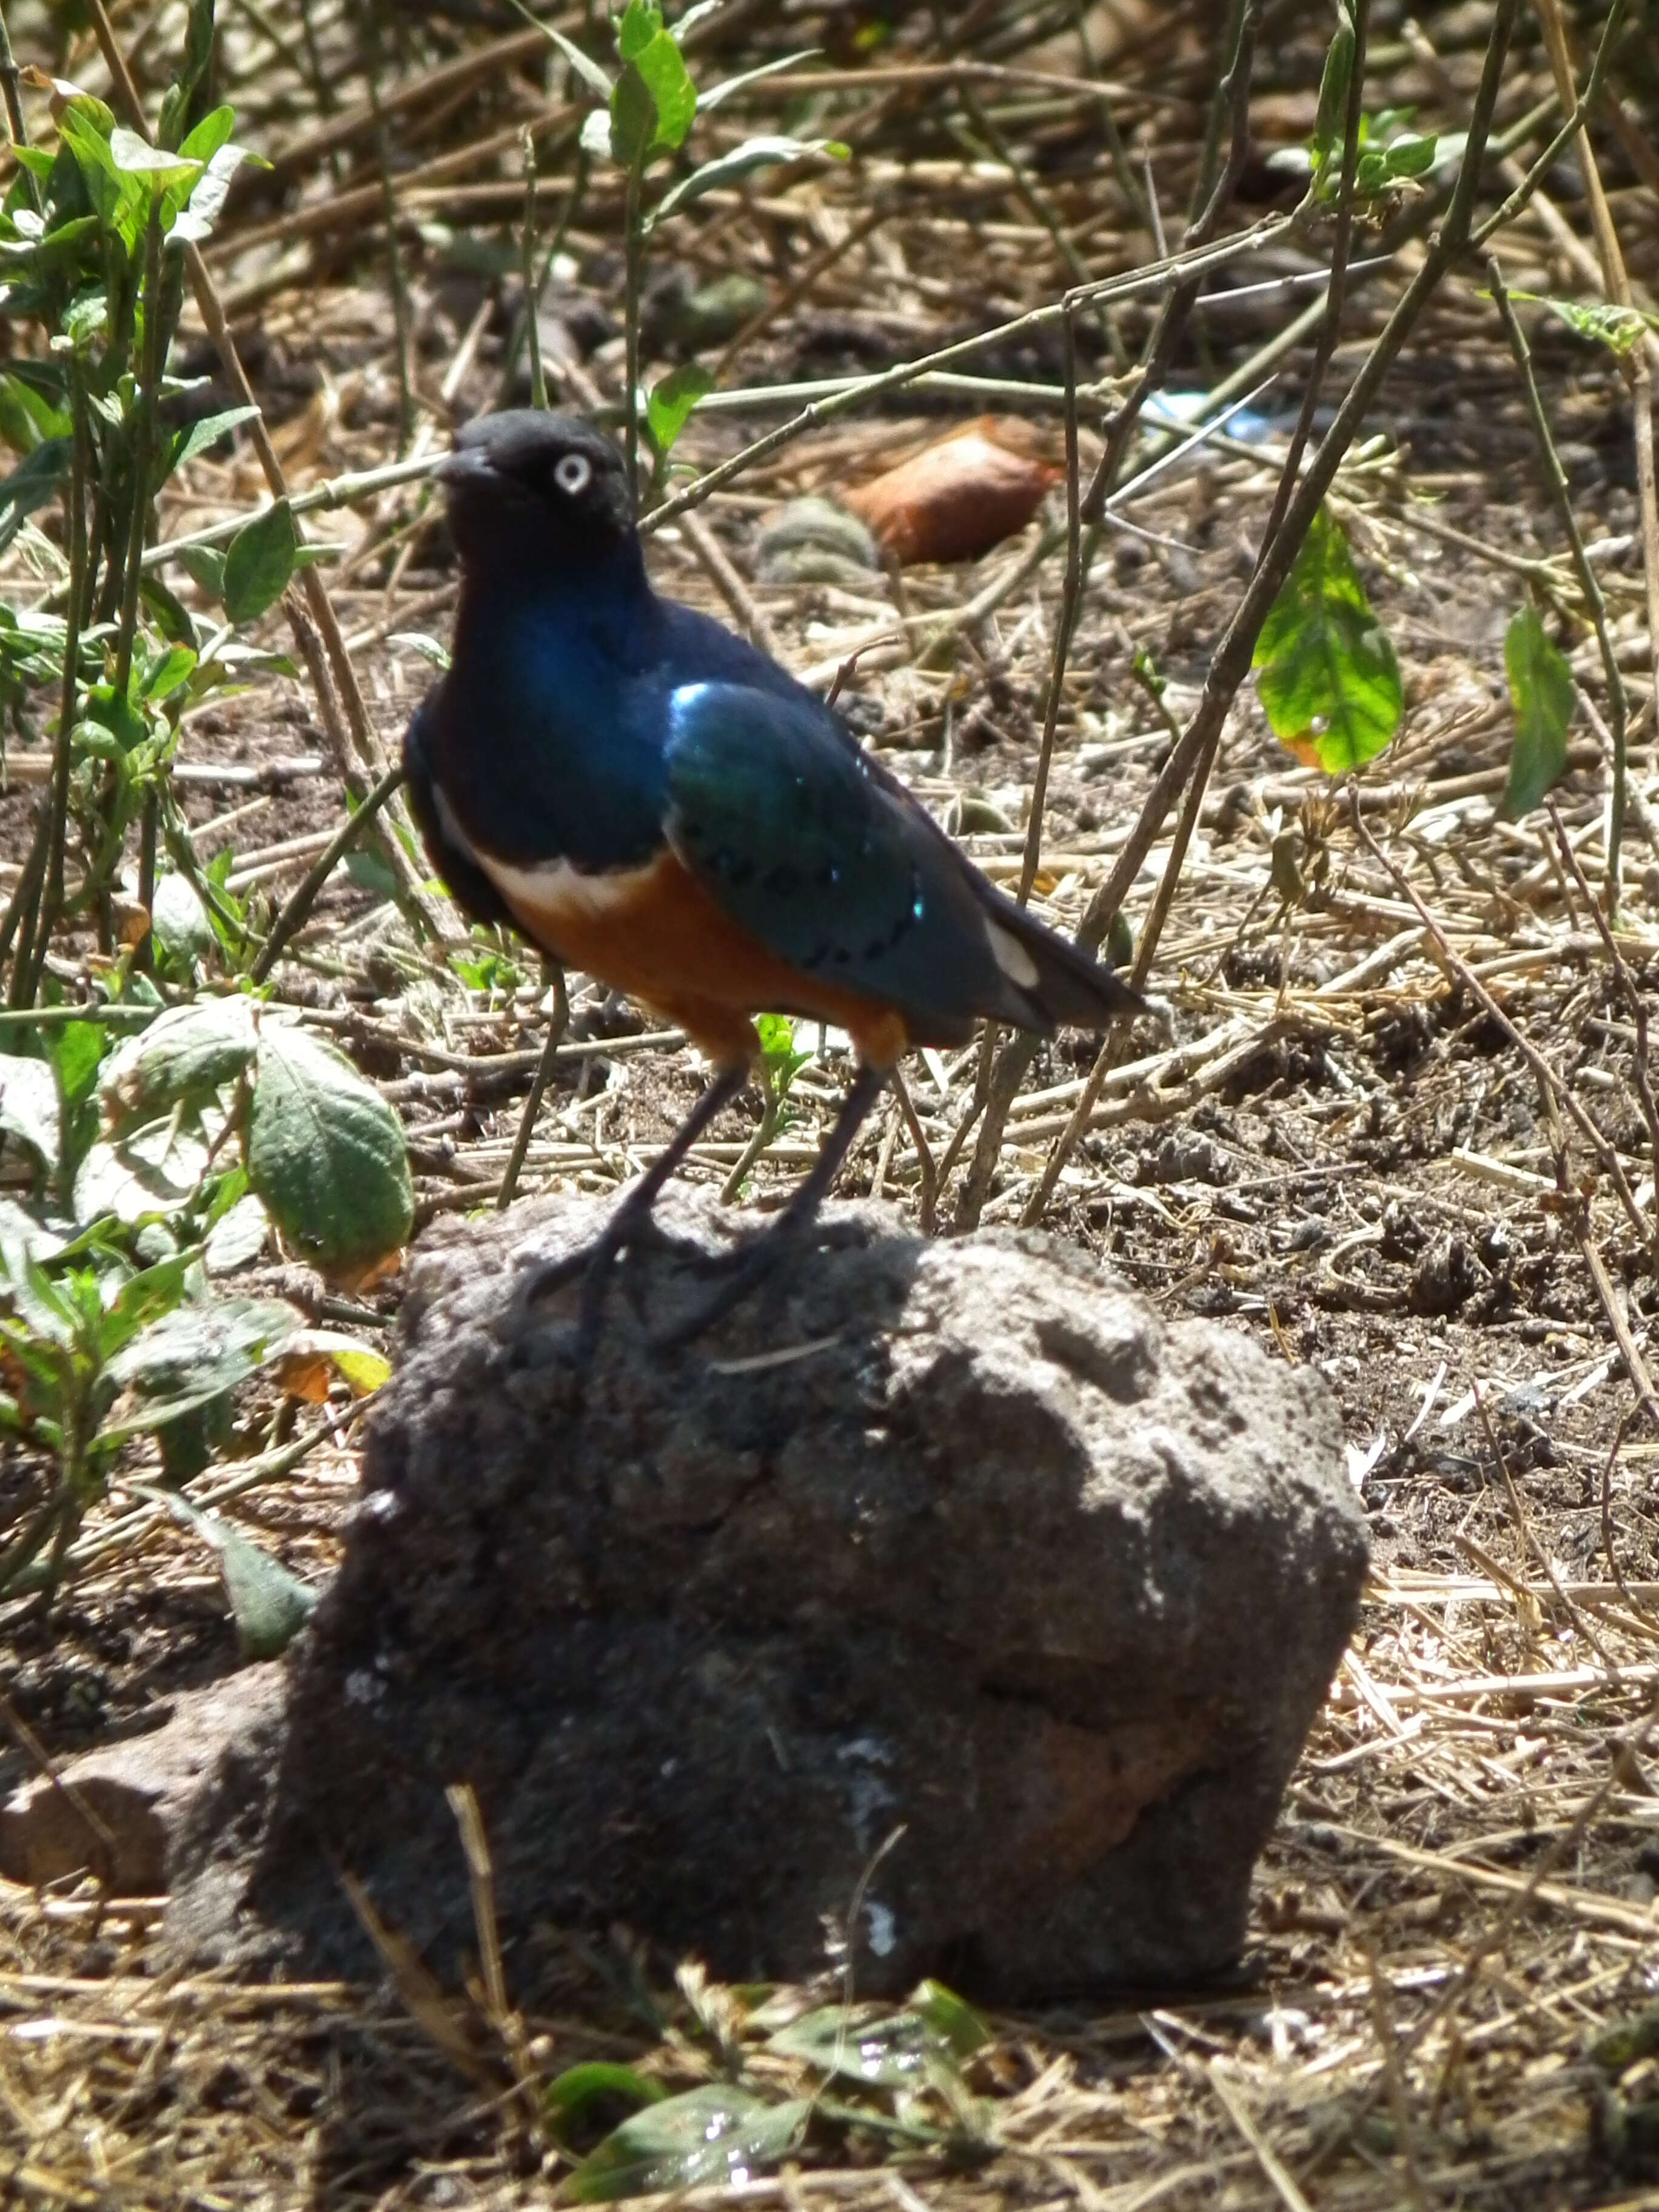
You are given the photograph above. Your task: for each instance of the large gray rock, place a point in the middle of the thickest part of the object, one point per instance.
(954, 1543)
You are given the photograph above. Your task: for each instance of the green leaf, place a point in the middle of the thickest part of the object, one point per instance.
(147, 1173)
(716, 2135)
(419, 640)
(662, 66)
(205, 567)
(882, 2048)
(201, 212)
(270, 1606)
(707, 101)
(182, 929)
(134, 156)
(586, 67)
(373, 870)
(77, 1053)
(37, 478)
(28, 1107)
(950, 2020)
(1334, 88)
(1412, 154)
(238, 1237)
(754, 153)
(633, 119)
(139, 1302)
(1540, 687)
(22, 1239)
(27, 416)
(259, 562)
(1603, 322)
(642, 23)
(326, 1154)
(197, 1352)
(44, 1309)
(572, 2092)
(166, 671)
(1328, 678)
(669, 408)
(188, 1053)
(212, 132)
(208, 432)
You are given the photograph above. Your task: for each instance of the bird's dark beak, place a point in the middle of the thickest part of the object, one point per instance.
(461, 465)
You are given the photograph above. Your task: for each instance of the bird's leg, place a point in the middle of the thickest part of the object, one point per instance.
(630, 1218)
(752, 1263)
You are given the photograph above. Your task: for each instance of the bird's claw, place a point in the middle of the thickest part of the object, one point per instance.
(594, 1266)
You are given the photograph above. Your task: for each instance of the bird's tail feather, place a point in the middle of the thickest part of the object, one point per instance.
(1059, 982)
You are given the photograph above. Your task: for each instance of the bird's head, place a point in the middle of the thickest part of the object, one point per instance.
(535, 490)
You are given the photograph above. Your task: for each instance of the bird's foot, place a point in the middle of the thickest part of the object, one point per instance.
(748, 1265)
(744, 1270)
(630, 1230)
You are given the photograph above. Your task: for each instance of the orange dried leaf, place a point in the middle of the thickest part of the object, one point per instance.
(956, 499)
(306, 1375)
(1306, 748)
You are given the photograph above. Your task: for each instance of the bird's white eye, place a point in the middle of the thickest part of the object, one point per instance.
(572, 472)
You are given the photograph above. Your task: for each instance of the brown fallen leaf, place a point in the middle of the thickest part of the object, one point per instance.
(956, 499)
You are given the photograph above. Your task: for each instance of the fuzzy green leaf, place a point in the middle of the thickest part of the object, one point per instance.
(208, 432)
(259, 562)
(270, 1606)
(572, 2093)
(29, 1107)
(187, 1053)
(326, 1154)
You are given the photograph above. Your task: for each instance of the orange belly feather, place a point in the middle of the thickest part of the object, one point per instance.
(656, 933)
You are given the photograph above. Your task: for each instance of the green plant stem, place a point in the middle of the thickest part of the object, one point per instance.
(11, 89)
(306, 895)
(1336, 292)
(140, 522)
(568, 214)
(1001, 1076)
(1589, 583)
(556, 1027)
(771, 1126)
(142, 456)
(635, 251)
(31, 944)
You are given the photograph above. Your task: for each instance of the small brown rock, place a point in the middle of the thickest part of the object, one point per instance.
(116, 1811)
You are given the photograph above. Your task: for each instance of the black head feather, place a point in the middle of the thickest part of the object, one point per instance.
(531, 485)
